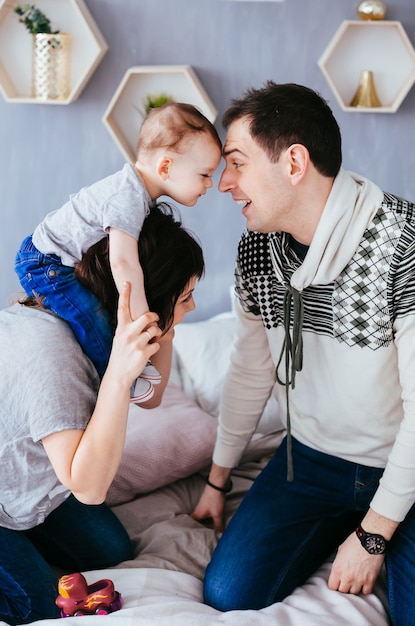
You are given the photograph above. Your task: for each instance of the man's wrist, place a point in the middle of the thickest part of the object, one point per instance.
(219, 478)
(225, 489)
(379, 524)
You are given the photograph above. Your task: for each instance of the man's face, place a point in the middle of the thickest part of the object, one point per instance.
(261, 187)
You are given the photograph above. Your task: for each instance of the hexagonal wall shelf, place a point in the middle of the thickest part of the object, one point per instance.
(380, 46)
(125, 112)
(69, 16)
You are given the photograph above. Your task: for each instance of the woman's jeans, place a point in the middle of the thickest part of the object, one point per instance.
(283, 531)
(44, 276)
(75, 537)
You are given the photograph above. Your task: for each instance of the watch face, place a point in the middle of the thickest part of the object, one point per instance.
(374, 544)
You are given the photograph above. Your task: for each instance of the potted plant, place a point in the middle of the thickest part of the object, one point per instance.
(35, 21)
(153, 101)
(51, 54)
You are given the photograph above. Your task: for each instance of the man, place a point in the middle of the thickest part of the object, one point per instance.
(325, 285)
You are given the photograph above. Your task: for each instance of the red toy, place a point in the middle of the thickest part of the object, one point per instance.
(76, 597)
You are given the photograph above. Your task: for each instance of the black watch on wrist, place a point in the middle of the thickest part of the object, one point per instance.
(374, 544)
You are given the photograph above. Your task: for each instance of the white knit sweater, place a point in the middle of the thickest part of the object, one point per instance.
(355, 395)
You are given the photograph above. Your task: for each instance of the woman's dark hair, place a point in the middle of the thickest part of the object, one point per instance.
(280, 115)
(170, 257)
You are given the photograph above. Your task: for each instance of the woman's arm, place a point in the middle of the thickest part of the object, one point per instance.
(86, 461)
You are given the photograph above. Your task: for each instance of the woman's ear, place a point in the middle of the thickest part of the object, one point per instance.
(163, 167)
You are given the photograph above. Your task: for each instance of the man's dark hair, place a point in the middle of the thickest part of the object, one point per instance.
(280, 115)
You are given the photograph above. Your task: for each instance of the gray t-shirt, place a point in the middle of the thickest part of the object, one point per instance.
(118, 201)
(47, 385)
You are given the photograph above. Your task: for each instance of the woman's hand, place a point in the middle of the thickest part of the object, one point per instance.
(135, 341)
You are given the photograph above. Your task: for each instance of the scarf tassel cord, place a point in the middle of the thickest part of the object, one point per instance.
(292, 349)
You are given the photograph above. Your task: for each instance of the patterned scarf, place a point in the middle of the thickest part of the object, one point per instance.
(350, 207)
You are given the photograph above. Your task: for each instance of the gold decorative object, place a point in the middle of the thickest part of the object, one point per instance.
(371, 10)
(366, 96)
(51, 72)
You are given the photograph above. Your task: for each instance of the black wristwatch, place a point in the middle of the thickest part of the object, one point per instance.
(374, 544)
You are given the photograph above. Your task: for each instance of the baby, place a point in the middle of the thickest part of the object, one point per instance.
(178, 150)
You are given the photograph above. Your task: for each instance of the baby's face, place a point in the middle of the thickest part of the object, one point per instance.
(191, 170)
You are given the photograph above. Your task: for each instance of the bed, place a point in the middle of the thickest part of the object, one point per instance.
(161, 477)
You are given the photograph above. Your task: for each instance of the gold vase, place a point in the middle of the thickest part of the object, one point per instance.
(366, 96)
(371, 10)
(51, 71)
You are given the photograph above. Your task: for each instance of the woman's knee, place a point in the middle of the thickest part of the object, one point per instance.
(122, 549)
(24, 605)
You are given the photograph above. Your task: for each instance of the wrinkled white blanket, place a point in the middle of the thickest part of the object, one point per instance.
(162, 586)
(155, 597)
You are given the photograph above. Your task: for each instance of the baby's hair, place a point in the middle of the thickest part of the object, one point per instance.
(167, 126)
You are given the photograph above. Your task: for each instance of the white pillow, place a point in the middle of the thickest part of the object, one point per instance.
(202, 351)
(201, 358)
(162, 445)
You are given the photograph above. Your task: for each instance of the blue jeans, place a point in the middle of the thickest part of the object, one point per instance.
(283, 531)
(75, 537)
(44, 275)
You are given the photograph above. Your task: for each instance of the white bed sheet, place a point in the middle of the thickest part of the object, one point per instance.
(162, 586)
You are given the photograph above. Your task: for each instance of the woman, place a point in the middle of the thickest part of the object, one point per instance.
(62, 432)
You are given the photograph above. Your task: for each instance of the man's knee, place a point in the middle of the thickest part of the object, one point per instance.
(218, 592)
(228, 590)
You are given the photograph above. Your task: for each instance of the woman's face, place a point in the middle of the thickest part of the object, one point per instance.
(185, 303)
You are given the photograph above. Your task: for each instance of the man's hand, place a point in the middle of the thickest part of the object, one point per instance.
(212, 502)
(354, 570)
(211, 506)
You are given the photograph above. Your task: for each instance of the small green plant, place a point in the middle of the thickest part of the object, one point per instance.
(153, 102)
(35, 21)
(156, 101)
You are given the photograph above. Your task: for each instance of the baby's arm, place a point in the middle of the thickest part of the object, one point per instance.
(125, 267)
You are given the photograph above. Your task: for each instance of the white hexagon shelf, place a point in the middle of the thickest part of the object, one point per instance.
(380, 46)
(125, 112)
(69, 16)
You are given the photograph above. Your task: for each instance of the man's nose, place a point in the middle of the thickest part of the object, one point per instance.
(225, 182)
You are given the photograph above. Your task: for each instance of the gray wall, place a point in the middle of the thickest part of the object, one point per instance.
(48, 152)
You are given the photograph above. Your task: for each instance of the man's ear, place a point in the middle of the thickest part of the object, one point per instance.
(298, 160)
(163, 167)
